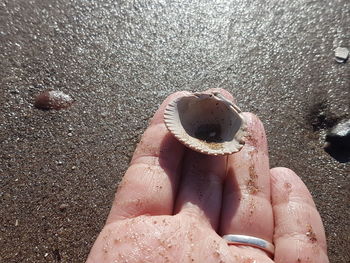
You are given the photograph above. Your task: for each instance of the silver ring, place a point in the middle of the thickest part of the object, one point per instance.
(250, 241)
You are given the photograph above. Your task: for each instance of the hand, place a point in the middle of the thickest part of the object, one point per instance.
(174, 205)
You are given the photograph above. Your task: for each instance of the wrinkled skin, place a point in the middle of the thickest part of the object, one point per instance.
(174, 204)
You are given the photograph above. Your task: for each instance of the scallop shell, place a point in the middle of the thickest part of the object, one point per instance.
(207, 123)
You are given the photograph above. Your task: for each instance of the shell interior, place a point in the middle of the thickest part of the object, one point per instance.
(207, 123)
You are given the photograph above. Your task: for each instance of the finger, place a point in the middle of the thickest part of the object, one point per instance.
(150, 183)
(246, 208)
(299, 233)
(200, 190)
(223, 92)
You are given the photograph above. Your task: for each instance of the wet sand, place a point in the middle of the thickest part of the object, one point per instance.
(59, 169)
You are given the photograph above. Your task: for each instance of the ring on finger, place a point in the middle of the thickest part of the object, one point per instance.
(250, 241)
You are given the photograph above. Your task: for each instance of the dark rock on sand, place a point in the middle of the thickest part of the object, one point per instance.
(338, 142)
(53, 99)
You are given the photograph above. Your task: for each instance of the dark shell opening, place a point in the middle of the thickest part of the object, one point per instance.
(209, 119)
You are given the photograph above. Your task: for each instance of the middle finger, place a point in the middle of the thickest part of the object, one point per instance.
(200, 190)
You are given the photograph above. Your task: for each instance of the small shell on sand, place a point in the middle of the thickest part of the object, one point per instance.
(207, 123)
(53, 99)
(341, 54)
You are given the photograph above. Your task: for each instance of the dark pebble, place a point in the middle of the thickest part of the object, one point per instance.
(14, 91)
(63, 207)
(338, 142)
(53, 99)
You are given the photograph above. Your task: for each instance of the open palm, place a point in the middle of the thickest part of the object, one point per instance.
(174, 204)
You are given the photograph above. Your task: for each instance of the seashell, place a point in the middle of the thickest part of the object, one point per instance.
(207, 123)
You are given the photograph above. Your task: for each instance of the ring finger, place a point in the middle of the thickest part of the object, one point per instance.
(246, 208)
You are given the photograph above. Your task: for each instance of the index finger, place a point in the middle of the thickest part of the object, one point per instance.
(150, 184)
